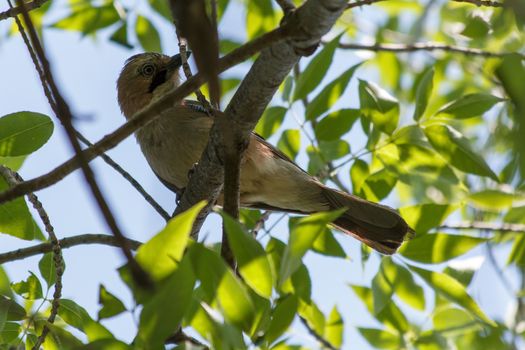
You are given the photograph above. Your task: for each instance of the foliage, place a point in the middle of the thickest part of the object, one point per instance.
(439, 133)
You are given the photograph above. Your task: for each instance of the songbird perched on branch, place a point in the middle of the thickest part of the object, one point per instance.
(174, 142)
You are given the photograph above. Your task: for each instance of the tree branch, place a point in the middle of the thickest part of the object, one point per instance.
(307, 25)
(142, 117)
(425, 47)
(360, 3)
(479, 3)
(317, 336)
(68, 242)
(63, 113)
(14, 11)
(488, 226)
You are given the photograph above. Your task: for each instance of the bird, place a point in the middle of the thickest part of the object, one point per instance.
(173, 142)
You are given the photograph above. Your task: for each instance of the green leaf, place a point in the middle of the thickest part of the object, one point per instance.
(493, 200)
(476, 27)
(450, 318)
(302, 236)
(110, 344)
(423, 217)
(471, 105)
(162, 8)
(379, 106)
(456, 149)
(162, 314)
(23, 133)
(13, 163)
(9, 332)
(391, 316)
(336, 124)
(453, 291)
(330, 94)
(222, 286)
(30, 289)
(159, 256)
(47, 268)
(147, 34)
(120, 36)
(439, 247)
(383, 284)
(15, 218)
(316, 70)
(326, 244)
(270, 121)
(290, 142)
(381, 339)
(358, 174)
(314, 316)
(76, 316)
(332, 150)
(407, 289)
(251, 258)
(423, 92)
(87, 19)
(260, 18)
(334, 328)
(10, 310)
(378, 185)
(282, 317)
(111, 305)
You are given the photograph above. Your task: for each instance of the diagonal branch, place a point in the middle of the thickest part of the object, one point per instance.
(142, 117)
(307, 25)
(63, 113)
(425, 47)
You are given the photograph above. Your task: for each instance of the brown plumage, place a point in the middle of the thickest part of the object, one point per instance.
(174, 142)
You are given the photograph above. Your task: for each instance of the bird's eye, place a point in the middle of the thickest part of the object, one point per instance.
(148, 69)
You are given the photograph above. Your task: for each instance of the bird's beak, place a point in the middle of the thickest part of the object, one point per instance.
(176, 61)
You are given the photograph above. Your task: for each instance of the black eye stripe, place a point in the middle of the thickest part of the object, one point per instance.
(158, 79)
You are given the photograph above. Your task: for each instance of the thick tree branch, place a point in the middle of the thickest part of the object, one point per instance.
(307, 25)
(65, 243)
(14, 11)
(142, 117)
(425, 47)
(488, 226)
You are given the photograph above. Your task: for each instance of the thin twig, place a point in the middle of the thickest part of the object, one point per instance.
(181, 337)
(63, 113)
(129, 178)
(260, 223)
(362, 3)
(142, 117)
(489, 226)
(13, 178)
(425, 47)
(325, 343)
(68, 242)
(479, 3)
(14, 11)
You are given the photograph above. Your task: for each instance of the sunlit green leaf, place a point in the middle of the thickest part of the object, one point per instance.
(471, 105)
(381, 339)
(160, 255)
(147, 34)
(424, 89)
(439, 247)
(422, 218)
(30, 288)
(379, 106)
(452, 290)
(10, 310)
(222, 286)
(302, 236)
(378, 185)
(76, 316)
(326, 244)
(282, 317)
(316, 70)
(23, 133)
(290, 142)
(476, 27)
(120, 36)
(493, 200)
(450, 318)
(330, 94)
(111, 305)
(334, 328)
(336, 124)
(270, 121)
(9, 332)
(163, 313)
(332, 150)
(407, 289)
(88, 19)
(358, 174)
(260, 18)
(251, 258)
(47, 268)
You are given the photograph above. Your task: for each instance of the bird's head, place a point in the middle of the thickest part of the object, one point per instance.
(145, 77)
